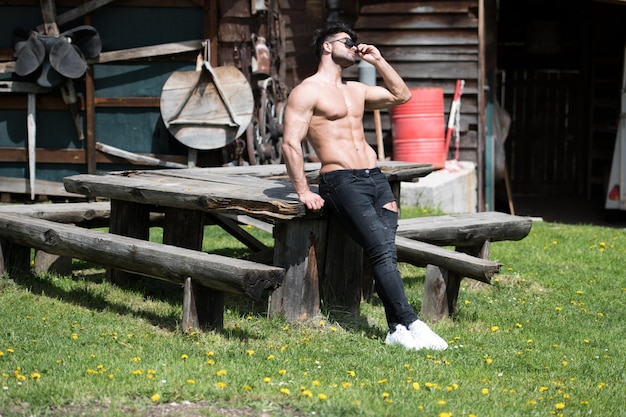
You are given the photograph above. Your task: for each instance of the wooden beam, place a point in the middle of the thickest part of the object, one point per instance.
(77, 156)
(166, 262)
(422, 254)
(147, 51)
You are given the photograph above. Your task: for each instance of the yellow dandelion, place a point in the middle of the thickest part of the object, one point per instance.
(467, 302)
(416, 386)
(210, 362)
(307, 393)
(346, 384)
(445, 414)
(543, 389)
(532, 402)
(285, 391)
(559, 406)
(191, 381)
(247, 387)
(250, 352)
(564, 363)
(382, 381)
(441, 402)
(135, 359)
(352, 373)
(385, 394)
(270, 357)
(333, 329)
(267, 379)
(489, 361)
(282, 371)
(184, 356)
(316, 383)
(155, 398)
(74, 336)
(495, 328)
(322, 396)
(36, 376)
(210, 353)
(221, 372)
(601, 385)
(485, 391)
(221, 384)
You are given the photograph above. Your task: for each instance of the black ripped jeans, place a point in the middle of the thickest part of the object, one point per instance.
(357, 198)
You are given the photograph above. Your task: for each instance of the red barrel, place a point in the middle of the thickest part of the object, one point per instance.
(418, 128)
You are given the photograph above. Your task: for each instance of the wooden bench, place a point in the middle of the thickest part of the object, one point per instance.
(21, 232)
(419, 242)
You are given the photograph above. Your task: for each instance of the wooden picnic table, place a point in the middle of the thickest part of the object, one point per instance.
(314, 250)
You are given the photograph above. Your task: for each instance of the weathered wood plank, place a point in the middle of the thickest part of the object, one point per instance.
(190, 194)
(75, 213)
(156, 260)
(425, 7)
(465, 229)
(422, 254)
(423, 37)
(147, 51)
(406, 21)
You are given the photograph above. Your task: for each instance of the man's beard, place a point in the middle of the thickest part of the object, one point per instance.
(344, 61)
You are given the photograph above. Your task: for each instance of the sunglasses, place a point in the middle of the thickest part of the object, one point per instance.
(346, 41)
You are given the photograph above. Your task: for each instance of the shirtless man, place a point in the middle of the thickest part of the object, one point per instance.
(329, 112)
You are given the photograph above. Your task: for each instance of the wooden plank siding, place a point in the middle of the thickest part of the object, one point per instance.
(430, 44)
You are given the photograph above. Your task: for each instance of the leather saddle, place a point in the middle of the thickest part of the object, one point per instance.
(51, 59)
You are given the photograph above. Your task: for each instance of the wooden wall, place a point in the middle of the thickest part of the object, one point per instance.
(431, 44)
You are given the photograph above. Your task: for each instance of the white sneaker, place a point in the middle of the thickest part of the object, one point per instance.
(402, 336)
(425, 337)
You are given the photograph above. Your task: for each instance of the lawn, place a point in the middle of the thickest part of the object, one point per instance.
(544, 339)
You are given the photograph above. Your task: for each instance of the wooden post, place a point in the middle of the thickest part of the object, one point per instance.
(441, 286)
(342, 281)
(435, 299)
(203, 308)
(132, 220)
(299, 249)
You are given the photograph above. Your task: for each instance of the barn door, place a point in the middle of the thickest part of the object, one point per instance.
(543, 150)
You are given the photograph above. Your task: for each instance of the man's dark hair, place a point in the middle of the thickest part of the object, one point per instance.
(321, 35)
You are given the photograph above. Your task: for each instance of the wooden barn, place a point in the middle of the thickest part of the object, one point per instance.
(539, 106)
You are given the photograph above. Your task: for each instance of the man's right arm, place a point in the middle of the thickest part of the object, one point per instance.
(298, 115)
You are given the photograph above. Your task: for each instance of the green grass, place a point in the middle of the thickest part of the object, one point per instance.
(545, 339)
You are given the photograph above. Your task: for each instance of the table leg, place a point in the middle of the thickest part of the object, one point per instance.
(343, 279)
(132, 220)
(299, 247)
(203, 308)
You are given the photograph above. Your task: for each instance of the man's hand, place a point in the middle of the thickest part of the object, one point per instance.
(368, 53)
(311, 200)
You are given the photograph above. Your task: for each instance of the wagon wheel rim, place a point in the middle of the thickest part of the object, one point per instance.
(269, 129)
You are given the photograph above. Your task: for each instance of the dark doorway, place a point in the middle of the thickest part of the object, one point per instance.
(560, 65)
